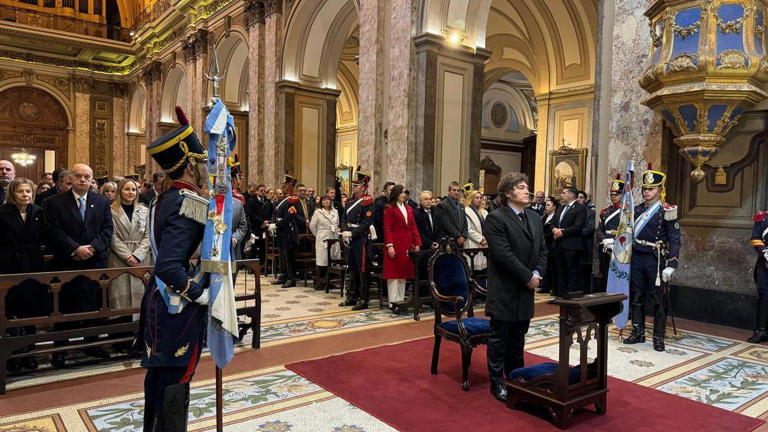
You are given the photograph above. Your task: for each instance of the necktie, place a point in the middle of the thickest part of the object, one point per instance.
(524, 220)
(82, 207)
(431, 225)
(563, 214)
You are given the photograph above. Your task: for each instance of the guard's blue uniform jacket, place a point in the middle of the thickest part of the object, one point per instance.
(175, 340)
(646, 265)
(758, 241)
(358, 219)
(288, 214)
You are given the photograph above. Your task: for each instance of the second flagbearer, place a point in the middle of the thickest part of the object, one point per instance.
(606, 229)
(758, 241)
(655, 252)
(174, 308)
(288, 216)
(358, 217)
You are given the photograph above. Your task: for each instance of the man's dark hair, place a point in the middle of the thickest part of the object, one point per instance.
(580, 193)
(386, 185)
(394, 194)
(63, 173)
(56, 173)
(44, 175)
(508, 182)
(407, 192)
(452, 184)
(158, 177)
(260, 185)
(300, 185)
(329, 188)
(573, 190)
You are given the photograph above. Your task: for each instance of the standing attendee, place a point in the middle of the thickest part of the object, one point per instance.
(549, 282)
(289, 217)
(130, 245)
(109, 190)
(63, 183)
(758, 241)
(251, 192)
(655, 252)
(307, 207)
(271, 196)
(358, 217)
(324, 226)
(42, 187)
(400, 237)
(21, 234)
(606, 229)
(425, 221)
(239, 229)
(588, 237)
(450, 217)
(475, 221)
(80, 229)
(311, 194)
(413, 204)
(569, 244)
(259, 210)
(47, 177)
(7, 174)
(175, 305)
(279, 196)
(157, 188)
(518, 258)
(378, 210)
(539, 203)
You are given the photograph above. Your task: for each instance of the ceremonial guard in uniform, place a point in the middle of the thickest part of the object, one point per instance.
(654, 257)
(174, 308)
(288, 216)
(606, 228)
(357, 222)
(759, 239)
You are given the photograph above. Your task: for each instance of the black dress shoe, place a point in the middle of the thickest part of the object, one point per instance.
(289, 284)
(13, 365)
(658, 343)
(348, 302)
(759, 335)
(58, 360)
(360, 306)
(278, 281)
(29, 363)
(499, 392)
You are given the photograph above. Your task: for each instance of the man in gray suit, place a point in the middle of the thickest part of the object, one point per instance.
(518, 260)
(450, 219)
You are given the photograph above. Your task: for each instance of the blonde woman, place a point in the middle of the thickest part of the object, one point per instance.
(109, 190)
(476, 215)
(130, 245)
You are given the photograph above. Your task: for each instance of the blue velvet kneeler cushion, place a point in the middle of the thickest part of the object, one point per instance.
(450, 279)
(530, 372)
(473, 325)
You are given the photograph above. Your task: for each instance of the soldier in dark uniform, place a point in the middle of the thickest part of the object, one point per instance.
(288, 216)
(358, 217)
(655, 252)
(174, 308)
(759, 239)
(606, 229)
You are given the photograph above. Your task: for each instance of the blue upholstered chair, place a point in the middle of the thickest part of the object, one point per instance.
(453, 292)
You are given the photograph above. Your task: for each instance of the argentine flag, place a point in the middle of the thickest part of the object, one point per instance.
(618, 269)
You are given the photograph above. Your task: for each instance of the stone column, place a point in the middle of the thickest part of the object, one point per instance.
(371, 85)
(121, 163)
(448, 95)
(400, 140)
(254, 21)
(274, 140)
(154, 88)
(82, 120)
(195, 48)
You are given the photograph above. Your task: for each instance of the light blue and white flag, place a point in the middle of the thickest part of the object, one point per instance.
(618, 269)
(217, 240)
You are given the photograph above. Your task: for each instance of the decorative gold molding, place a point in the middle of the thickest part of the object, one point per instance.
(195, 45)
(732, 59)
(682, 63)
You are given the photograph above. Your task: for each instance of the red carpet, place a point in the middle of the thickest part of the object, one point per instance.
(393, 383)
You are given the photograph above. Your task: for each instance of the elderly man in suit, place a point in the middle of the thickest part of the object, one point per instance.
(568, 243)
(450, 217)
(518, 260)
(80, 230)
(7, 174)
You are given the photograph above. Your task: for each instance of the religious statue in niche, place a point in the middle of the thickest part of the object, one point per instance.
(499, 115)
(566, 168)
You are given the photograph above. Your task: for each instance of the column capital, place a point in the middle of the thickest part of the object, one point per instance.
(254, 12)
(119, 89)
(194, 45)
(153, 72)
(272, 7)
(438, 44)
(83, 84)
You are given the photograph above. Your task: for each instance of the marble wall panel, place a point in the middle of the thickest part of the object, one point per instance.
(400, 115)
(82, 127)
(255, 103)
(371, 83)
(120, 153)
(272, 116)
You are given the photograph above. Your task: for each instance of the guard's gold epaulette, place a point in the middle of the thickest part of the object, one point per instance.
(194, 206)
(760, 216)
(367, 200)
(670, 211)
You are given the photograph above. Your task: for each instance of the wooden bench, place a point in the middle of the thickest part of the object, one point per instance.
(305, 256)
(336, 267)
(104, 277)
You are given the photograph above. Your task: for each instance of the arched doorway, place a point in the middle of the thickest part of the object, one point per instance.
(33, 120)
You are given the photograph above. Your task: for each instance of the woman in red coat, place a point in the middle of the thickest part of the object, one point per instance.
(400, 236)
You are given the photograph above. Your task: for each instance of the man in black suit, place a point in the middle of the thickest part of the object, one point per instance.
(538, 203)
(259, 211)
(568, 243)
(63, 184)
(307, 207)
(378, 211)
(414, 205)
(157, 188)
(518, 259)
(7, 174)
(425, 221)
(451, 220)
(588, 234)
(79, 224)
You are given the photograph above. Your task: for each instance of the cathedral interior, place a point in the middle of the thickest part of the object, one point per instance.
(422, 93)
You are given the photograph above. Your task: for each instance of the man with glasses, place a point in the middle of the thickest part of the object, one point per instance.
(606, 229)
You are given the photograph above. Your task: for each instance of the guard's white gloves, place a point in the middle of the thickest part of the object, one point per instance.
(607, 244)
(666, 274)
(272, 228)
(346, 235)
(203, 299)
(765, 254)
(249, 243)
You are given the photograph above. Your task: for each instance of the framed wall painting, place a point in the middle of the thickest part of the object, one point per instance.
(567, 167)
(344, 173)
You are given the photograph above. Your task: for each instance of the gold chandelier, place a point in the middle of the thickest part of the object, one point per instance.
(23, 158)
(707, 63)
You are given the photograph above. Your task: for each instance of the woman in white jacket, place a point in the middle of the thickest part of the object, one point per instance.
(476, 215)
(324, 225)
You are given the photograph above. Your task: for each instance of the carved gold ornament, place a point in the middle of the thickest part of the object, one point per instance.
(181, 351)
(732, 59)
(688, 31)
(682, 63)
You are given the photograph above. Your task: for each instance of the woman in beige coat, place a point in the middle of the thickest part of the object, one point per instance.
(324, 225)
(130, 245)
(476, 215)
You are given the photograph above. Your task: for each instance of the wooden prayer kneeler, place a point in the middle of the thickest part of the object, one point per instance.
(558, 387)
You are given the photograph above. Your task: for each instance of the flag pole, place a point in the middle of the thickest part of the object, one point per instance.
(219, 401)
